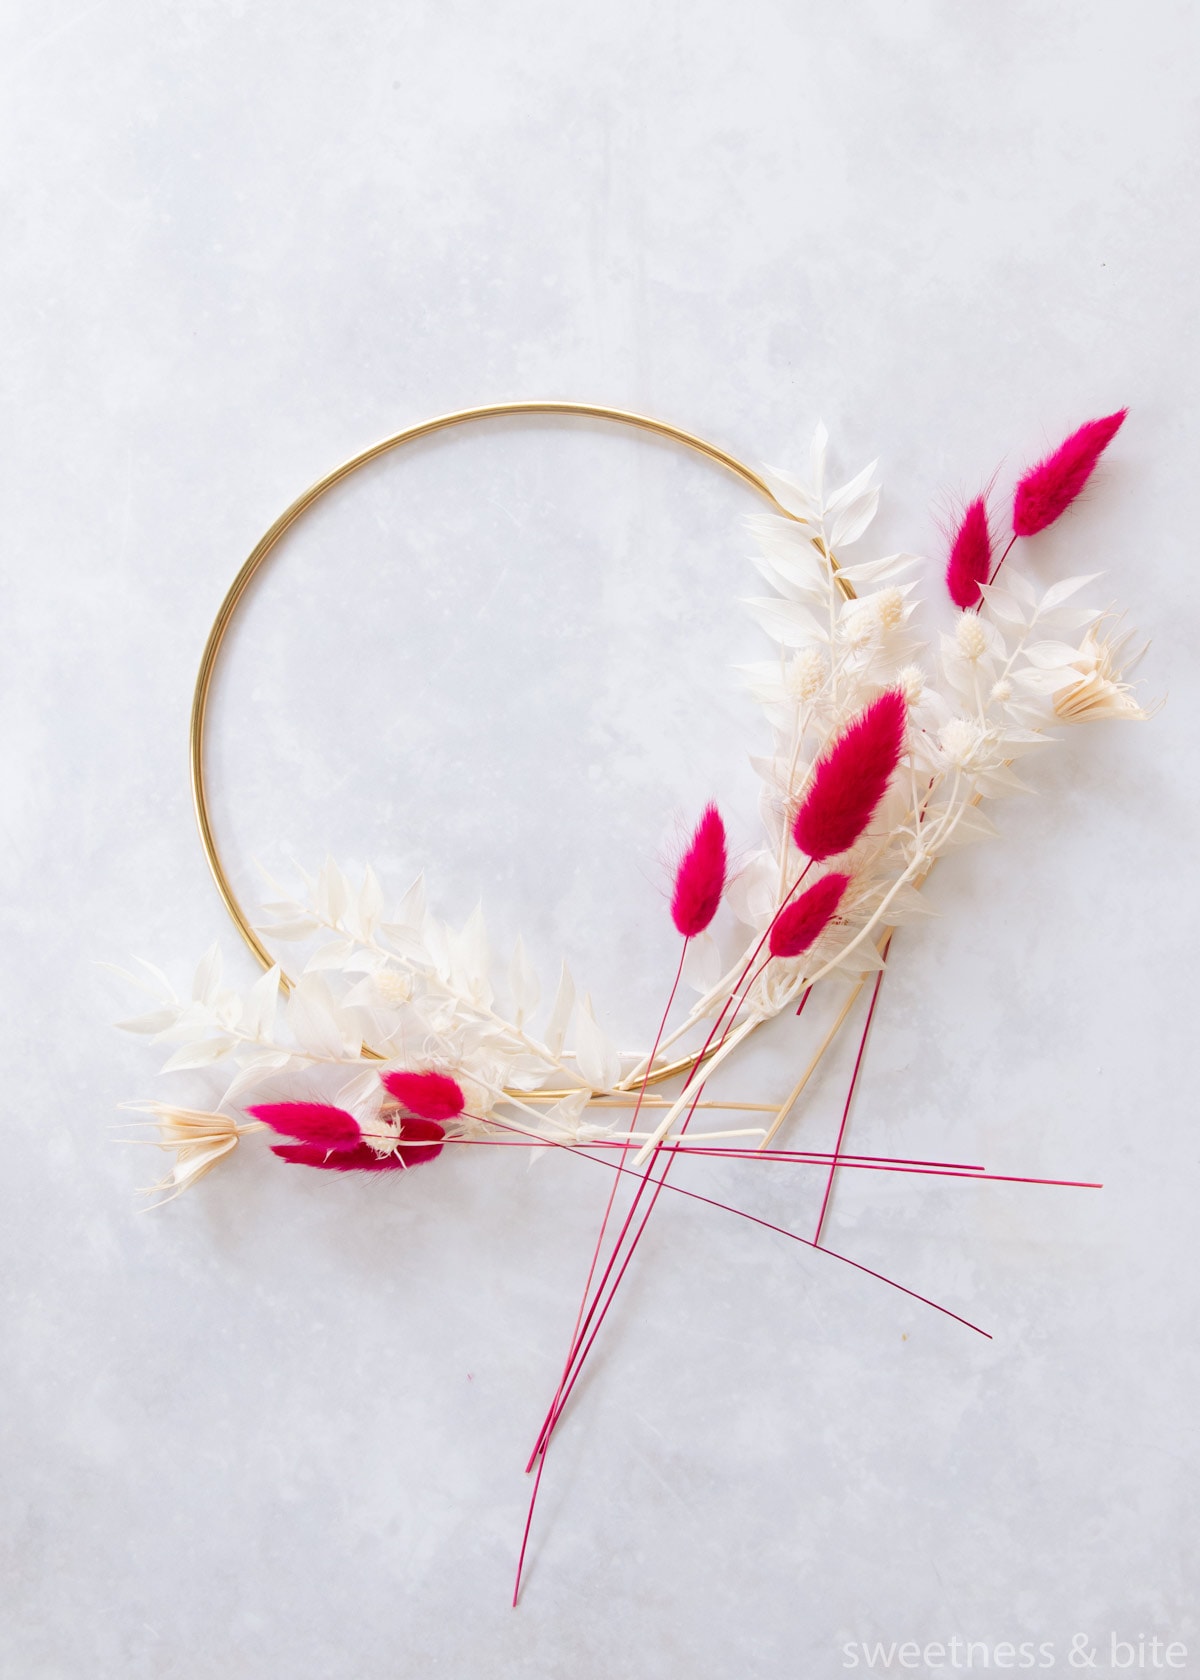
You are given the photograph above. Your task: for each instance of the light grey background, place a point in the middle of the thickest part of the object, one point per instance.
(278, 1428)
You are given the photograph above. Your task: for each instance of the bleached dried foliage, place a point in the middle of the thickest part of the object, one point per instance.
(385, 986)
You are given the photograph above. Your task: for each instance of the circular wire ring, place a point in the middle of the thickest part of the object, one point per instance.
(263, 548)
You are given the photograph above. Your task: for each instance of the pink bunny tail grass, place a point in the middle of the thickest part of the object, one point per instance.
(421, 1140)
(799, 924)
(319, 1126)
(851, 779)
(432, 1096)
(700, 878)
(970, 561)
(1047, 490)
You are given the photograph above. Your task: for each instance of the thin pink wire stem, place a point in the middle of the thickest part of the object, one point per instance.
(625, 1148)
(1002, 559)
(547, 1422)
(723, 1151)
(864, 1163)
(740, 1213)
(754, 1219)
(858, 1060)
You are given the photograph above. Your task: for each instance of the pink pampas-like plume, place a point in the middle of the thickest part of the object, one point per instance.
(319, 1126)
(851, 778)
(432, 1096)
(420, 1140)
(800, 924)
(700, 878)
(1047, 490)
(970, 562)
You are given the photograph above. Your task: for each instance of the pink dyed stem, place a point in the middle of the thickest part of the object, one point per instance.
(612, 1196)
(580, 1154)
(537, 1482)
(814, 1158)
(625, 1148)
(580, 1355)
(808, 1243)
(548, 1421)
(837, 1148)
(727, 1152)
(1002, 559)
(740, 1213)
(738, 983)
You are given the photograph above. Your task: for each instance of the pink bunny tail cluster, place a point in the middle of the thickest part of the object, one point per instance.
(970, 562)
(429, 1095)
(700, 878)
(331, 1138)
(800, 924)
(317, 1126)
(851, 778)
(420, 1141)
(1047, 490)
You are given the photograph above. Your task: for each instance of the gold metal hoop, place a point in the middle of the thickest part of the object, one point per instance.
(262, 549)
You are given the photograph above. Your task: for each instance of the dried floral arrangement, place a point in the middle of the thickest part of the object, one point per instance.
(392, 1043)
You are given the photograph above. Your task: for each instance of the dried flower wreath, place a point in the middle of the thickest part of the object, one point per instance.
(875, 770)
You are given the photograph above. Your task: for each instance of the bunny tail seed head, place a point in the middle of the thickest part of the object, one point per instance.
(429, 1095)
(700, 878)
(851, 778)
(970, 562)
(426, 1142)
(1047, 490)
(801, 924)
(319, 1126)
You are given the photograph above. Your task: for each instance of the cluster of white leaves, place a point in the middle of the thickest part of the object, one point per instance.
(382, 986)
(989, 695)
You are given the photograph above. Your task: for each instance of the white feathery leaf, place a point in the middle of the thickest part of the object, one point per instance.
(908, 903)
(786, 622)
(153, 969)
(874, 571)
(849, 525)
(254, 1074)
(334, 953)
(560, 1012)
(1060, 592)
(437, 944)
(158, 1020)
(523, 984)
(566, 1112)
(316, 1021)
(597, 1057)
(702, 967)
(1003, 605)
(298, 928)
(1021, 587)
(791, 494)
(1036, 681)
(796, 582)
(408, 942)
(207, 979)
(412, 910)
(333, 893)
(259, 1013)
(363, 1092)
(1050, 656)
(370, 903)
(472, 959)
(199, 1055)
(751, 892)
(852, 493)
